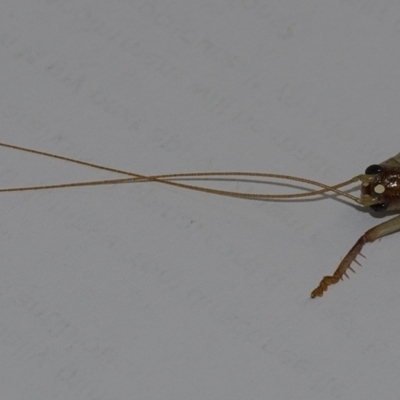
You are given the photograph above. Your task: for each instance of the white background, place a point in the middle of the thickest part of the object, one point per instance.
(143, 291)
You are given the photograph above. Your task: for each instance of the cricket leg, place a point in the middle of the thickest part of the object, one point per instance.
(371, 235)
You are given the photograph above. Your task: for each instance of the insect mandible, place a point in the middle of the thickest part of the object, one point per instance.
(380, 190)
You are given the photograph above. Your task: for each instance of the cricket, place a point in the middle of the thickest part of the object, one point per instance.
(380, 190)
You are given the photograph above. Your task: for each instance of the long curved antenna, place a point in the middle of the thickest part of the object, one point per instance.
(171, 179)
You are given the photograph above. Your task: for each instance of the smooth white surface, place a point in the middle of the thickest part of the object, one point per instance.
(143, 291)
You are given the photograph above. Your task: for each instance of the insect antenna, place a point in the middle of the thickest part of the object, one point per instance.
(178, 178)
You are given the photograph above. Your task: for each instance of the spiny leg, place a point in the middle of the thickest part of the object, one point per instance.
(371, 235)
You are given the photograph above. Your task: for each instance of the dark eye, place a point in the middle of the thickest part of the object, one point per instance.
(374, 169)
(379, 207)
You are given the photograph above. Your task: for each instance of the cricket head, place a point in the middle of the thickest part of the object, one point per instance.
(380, 188)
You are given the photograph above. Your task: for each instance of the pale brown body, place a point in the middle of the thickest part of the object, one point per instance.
(380, 190)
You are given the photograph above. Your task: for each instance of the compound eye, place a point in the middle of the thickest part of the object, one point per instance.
(374, 169)
(379, 207)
